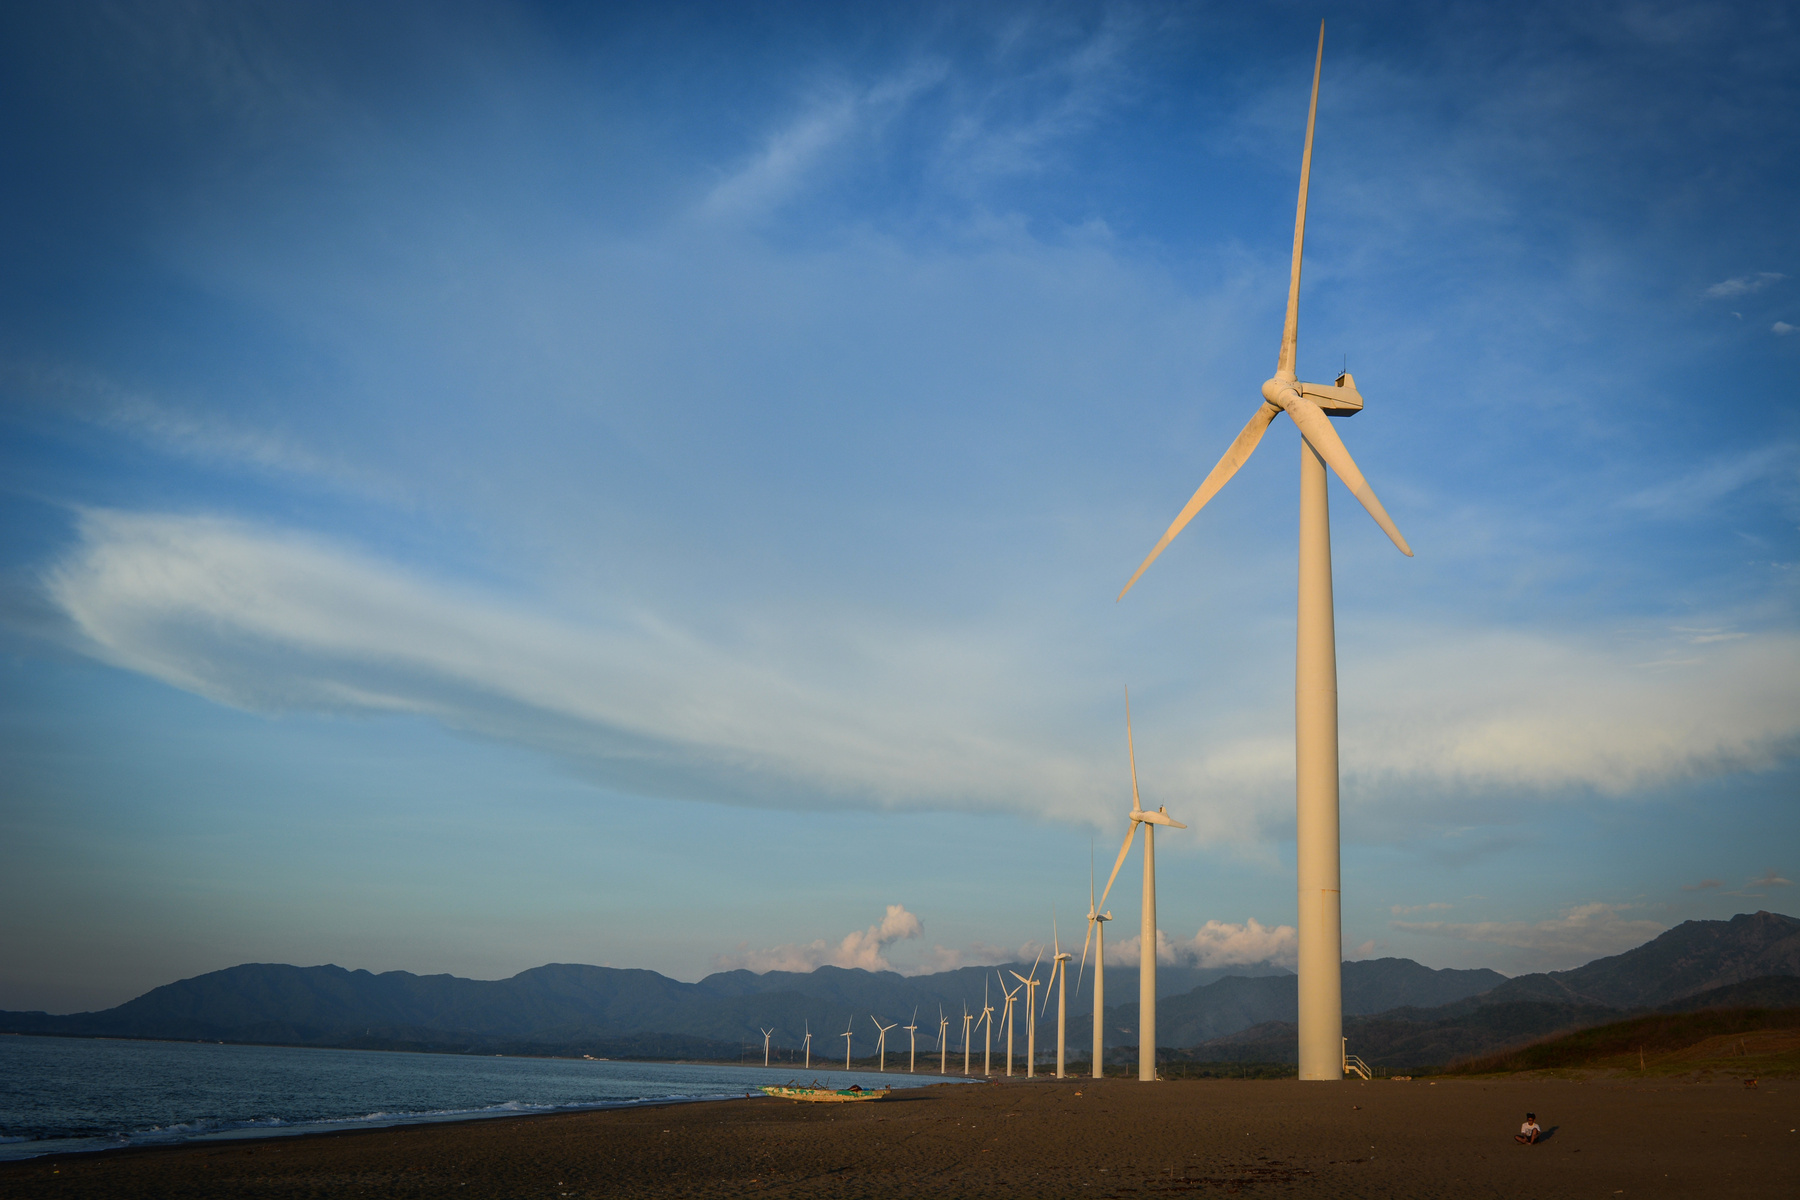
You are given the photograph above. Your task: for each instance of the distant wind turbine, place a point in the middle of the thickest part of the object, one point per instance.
(1308, 405)
(765, 1033)
(1031, 986)
(881, 1046)
(846, 1036)
(912, 1043)
(807, 1044)
(943, 1042)
(966, 1019)
(1147, 934)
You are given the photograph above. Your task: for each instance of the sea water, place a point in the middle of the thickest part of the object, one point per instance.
(66, 1094)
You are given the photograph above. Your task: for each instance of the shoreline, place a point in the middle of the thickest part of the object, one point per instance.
(1660, 1138)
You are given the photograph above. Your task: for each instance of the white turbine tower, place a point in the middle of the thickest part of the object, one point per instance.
(1007, 1019)
(1031, 986)
(987, 1038)
(912, 1044)
(1059, 979)
(881, 1044)
(943, 1042)
(1147, 933)
(1097, 933)
(846, 1036)
(807, 1045)
(765, 1033)
(966, 1019)
(1308, 405)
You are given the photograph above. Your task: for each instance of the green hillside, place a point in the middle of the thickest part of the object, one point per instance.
(1739, 1041)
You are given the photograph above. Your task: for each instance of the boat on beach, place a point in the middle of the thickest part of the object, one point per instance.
(826, 1095)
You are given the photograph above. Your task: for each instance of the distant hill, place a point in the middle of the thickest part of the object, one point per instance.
(1747, 1041)
(1235, 1003)
(1398, 1013)
(1693, 957)
(613, 1012)
(1699, 965)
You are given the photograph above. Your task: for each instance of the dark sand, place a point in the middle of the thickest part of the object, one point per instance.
(1040, 1139)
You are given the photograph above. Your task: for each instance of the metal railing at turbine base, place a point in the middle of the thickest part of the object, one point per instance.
(1354, 1065)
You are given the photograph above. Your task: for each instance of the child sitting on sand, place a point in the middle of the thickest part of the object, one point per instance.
(1528, 1132)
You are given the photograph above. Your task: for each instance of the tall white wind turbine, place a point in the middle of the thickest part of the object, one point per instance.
(765, 1033)
(1007, 1020)
(912, 1044)
(1059, 979)
(1147, 932)
(943, 1042)
(846, 1036)
(881, 1044)
(1031, 984)
(1309, 405)
(987, 1038)
(807, 1045)
(1097, 934)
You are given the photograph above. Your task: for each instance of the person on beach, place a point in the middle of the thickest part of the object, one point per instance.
(1528, 1132)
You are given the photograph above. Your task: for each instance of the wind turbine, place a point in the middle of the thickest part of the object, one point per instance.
(987, 1038)
(1147, 933)
(846, 1036)
(1059, 979)
(1007, 1020)
(1031, 987)
(765, 1033)
(966, 1019)
(912, 1043)
(943, 1042)
(1097, 932)
(1315, 670)
(807, 1045)
(881, 1044)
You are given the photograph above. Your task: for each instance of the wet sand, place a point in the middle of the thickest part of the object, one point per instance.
(1115, 1138)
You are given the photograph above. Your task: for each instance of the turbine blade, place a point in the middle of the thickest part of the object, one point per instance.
(1315, 426)
(1131, 751)
(1235, 457)
(1085, 943)
(1123, 851)
(1290, 332)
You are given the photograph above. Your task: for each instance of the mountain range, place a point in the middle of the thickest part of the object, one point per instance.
(1397, 1011)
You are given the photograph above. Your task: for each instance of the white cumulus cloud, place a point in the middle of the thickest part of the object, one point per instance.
(859, 948)
(1216, 944)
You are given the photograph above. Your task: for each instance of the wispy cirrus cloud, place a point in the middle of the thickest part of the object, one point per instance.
(1759, 887)
(1581, 933)
(1692, 493)
(205, 437)
(272, 621)
(1743, 285)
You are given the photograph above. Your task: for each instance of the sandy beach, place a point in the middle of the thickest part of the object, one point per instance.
(1044, 1138)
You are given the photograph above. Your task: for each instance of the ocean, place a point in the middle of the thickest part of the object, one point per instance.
(59, 1095)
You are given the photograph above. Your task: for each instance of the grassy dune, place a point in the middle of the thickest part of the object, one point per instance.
(1739, 1041)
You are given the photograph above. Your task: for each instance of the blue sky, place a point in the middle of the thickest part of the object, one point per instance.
(484, 485)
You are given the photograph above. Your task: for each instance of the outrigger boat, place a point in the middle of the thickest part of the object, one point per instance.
(854, 1092)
